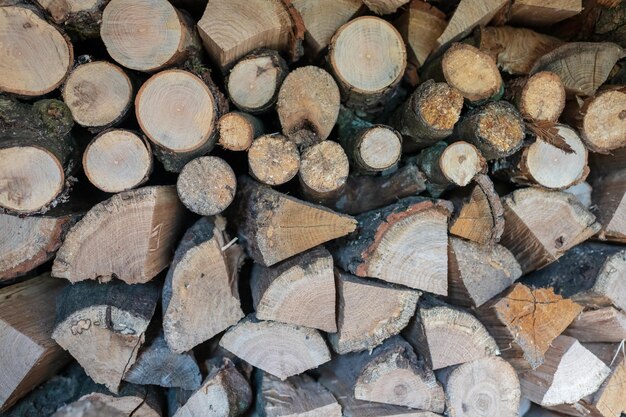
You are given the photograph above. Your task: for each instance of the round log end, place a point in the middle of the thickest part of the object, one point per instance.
(273, 159)
(207, 185)
(604, 123)
(460, 162)
(380, 148)
(324, 167)
(473, 72)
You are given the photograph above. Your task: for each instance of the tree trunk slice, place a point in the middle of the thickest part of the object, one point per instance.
(82, 19)
(540, 13)
(273, 159)
(539, 97)
(207, 185)
(369, 312)
(300, 290)
(200, 295)
(282, 350)
(323, 171)
(609, 198)
(91, 249)
(117, 160)
(420, 26)
(467, 16)
(88, 408)
(237, 130)
(606, 325)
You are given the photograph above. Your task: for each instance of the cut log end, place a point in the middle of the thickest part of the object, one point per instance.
(380, 148)
(471, 71)
(440, 106)
(542, 97)
(604, 121)
(324, 168)
(207, 185)
(460, 162)
(238, 130)
(273, 159)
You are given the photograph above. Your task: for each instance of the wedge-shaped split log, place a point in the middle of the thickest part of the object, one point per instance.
(607, 325)
(467, 16)
(609, 198)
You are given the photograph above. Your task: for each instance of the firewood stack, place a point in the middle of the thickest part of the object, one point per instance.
(358, 208)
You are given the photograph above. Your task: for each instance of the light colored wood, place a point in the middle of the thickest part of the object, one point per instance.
(525, 321)
(468, 15)
(486, 387)
(300, 290)
(117, 160)
(28, 355)
(132, 400)
(147, 35)
(582, 192)
(275, 226)
(471, 71)
(540, 97)
(81, 18)
(420, 26)
(477, 273)
(384, 6)
(282, 350)
(323, 170)
(273, 159)
(89, 408)
(540, 226)
(207, 185)
(308, 105)
(99, 94)
(368, 312)
(130, 235)
(543, 13)
(237, 130)
(404, 243)
(200, 296)
(37, 57)
(609, 198)
(605, 325)
(231, 29)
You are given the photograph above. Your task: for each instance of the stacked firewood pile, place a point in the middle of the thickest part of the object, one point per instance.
(358, 208)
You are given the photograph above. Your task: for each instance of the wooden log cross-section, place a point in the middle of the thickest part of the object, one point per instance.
(323, 171)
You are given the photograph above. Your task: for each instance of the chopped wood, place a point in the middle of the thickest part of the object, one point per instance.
(605, 325)
(420, 26)
(132, 400)
(467, 16)
(582, 192)
(273, 159)
(323, 171)
(88, 408)
(207, 185)
(81, 19)
(200, 294)
(300, 290)
(539, 97)
(368, 312)
(94, 249)
(609, 198)
(384, 6)
(237, 130)
(280, 349)
(541, 13)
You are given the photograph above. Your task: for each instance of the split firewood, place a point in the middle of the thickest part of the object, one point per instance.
(300, 290)
(26, 37)
(514, 49)
(147, 35)
(30, 241)
(541, 13)
(308, 105)
(447, 336)
(297, 396)
(37, 154)
(496, 129)
(367, 57)
(323, 171)
(467, 16)
(237, 130)
(88, 408)
(601, 285)
(487, 387)
(607, 324)
(404, 243)
(541, 225)
(81, 19)
(224, 392)
(429, 114)
(566, 361)
(200, 294)
(477, 273)
(370, 147)
(282, 350)
(206, 185)
(93, 319)
(609, 199)
(582, 66)
(582, 192)
(178, 112)
(368, 312)
(479, 215)
(420, 26)
(539, 97)
(273, 159)
(132, 400)
(117, 160)
(525, 321)
(28, 355)
(275, 226)
(255, 80)
(381, 7)
(94, 247)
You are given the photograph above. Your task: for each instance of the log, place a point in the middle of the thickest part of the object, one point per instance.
(30, 241)
(566, 361)
(447, 336)
(477, 273)
(88, 408)
(91, 249)
(404, 243)
(147, 35)
(273, 159)
(28, 355)
(582, 192)
(103, 326)
(254, 91)
(525, 321)
(274, 226)
(178, 112)
(467, 16)
(99, 94)
(323, 171)
(237, 130)
(207, 185)
(308, 105)
(297, 396)
(609, 199)
(37, 155)
(368, 312)
(540, 13)
(200, 294)
(604, 325)
(381, 7)
(486, 387)
(367, 57)
(539, 97)
(41, 55)
(300, 290)
(117, 160)
(541, 225)
(282, 350)
(81, 19)
(420, 26)
(429, 114)
(496, 129)
(132, 400)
